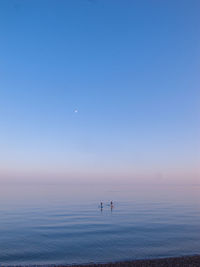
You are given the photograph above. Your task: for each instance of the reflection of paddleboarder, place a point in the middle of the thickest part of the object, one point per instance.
(111, 205)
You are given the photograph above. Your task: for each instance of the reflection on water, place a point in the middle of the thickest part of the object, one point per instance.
(67, 224)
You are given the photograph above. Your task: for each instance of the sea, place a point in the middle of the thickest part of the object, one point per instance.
(44, 224)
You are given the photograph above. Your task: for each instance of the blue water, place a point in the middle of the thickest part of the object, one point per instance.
(63, 224)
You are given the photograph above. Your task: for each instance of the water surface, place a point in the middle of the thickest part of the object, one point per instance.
(63, 224)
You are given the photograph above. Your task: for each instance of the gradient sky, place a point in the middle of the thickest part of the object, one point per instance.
(130, 68)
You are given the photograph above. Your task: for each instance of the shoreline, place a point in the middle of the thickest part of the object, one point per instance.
(185, 261)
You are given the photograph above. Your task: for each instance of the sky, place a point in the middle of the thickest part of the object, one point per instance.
(100, 90)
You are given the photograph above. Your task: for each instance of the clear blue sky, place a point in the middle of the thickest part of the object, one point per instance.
(130, 68)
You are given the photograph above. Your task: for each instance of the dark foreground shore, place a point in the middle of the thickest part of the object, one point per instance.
(189, 261)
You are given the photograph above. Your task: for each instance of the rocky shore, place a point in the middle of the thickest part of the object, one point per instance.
(189, 261)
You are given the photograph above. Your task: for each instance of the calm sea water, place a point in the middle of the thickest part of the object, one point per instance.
(63, 224)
